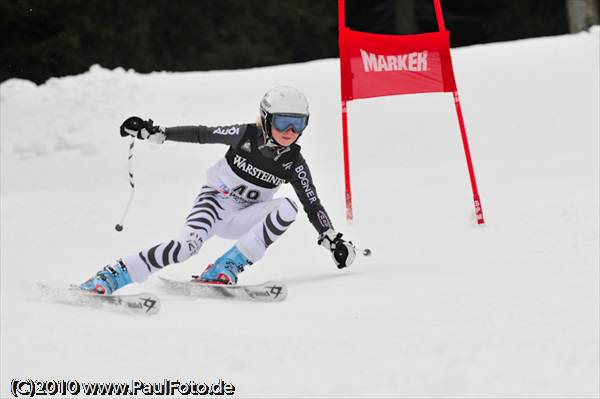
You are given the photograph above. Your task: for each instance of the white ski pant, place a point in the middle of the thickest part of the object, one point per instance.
(255, 227)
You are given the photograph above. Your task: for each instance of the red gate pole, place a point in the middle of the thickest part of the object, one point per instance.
(349, 215)
(463, 131)
(341, 27)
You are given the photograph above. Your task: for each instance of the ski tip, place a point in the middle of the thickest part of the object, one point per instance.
(276, 292)
(270, 291)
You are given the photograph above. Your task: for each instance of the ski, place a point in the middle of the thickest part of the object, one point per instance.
(144, 303)
(271, 291)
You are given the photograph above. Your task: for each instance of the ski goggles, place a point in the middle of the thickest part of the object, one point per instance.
(284, 122)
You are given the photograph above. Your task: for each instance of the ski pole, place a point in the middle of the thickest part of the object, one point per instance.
(119, 226)
(364, 251)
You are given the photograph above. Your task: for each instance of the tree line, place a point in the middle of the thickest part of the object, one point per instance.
(46, 38)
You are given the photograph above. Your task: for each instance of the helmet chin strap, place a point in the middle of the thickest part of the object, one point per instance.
(273, 145)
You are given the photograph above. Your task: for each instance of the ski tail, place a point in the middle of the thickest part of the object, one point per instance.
(143, 303)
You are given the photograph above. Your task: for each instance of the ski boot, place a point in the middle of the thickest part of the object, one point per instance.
(225, 269)
(108, 280)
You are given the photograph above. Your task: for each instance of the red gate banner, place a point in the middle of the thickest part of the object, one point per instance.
(383, 65)
(374, 65)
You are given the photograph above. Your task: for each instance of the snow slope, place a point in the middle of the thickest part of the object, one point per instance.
(442, 308)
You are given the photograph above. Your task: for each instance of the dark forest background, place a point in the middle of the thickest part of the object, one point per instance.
(45, 38)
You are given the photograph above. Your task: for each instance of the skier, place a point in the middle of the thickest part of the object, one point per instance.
(237, 201)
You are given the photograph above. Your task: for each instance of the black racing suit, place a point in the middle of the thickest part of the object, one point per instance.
(260, 162)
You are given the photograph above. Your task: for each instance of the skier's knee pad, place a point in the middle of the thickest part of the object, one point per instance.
(287, 210)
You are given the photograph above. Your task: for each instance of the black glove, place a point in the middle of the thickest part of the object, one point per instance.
(137, 127)
(343, 251)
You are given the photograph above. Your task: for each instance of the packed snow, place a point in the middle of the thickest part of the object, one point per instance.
(443, 307)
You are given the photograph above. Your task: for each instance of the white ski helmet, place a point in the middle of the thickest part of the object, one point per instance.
(282, 100)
